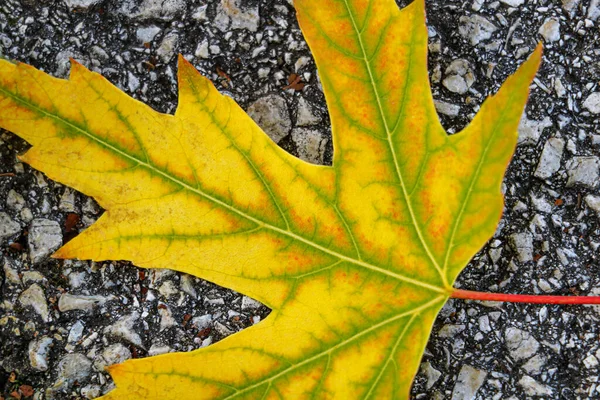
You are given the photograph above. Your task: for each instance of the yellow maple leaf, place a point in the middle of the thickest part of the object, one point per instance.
(355, 260)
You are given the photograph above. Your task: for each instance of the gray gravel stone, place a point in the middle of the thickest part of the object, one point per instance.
(520, 344)
(34, 297)
(124, 328)
(76, 332)
(310, 144)
(531, 387)
(513, 3)
(592, 103)
(231, 16)
(80, 4)
(8, 227)
(272, 115)
(146, 34)
(70, 302)
(583, 171)
(468, 383)
(71, 368)
(446, 108)
(593, 202)
(593, 11)
(306, 116)
(531, 130)
(44, 237)
(550, 30)
(151, 9)
(113, 354)
(15, 201)
(550, 159)
(166, 50)
(459, 76)
(38, 353)
(535, 365)
(431, 373)
(476, 28)
(522, 244)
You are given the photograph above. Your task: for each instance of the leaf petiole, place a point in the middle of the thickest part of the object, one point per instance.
(523, 298)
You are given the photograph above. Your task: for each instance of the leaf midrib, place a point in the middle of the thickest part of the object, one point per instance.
(150, 167)
(405, 193)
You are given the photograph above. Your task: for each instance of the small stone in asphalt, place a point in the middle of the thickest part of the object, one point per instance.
(44, 237)
(592, 103)
(34, 297)
(38, 353)
(476, 28)
(583, 171)
(520, 344)
(550, 159)
(468, 383)
(272, 115)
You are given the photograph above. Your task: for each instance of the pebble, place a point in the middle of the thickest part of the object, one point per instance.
(459, 76)
(531, 387)
(468, 383)
(513, 3)
(450, 330)
(202, 49)
(583, 171)
(34, 296)
(70, 302)
(230, 16)
(80, 4)
(549, 161)
(124, 328)
(594, 10)
(91, 391)
(166, 318)
(44, 237)
(271, 114)
(248, 303)
(8, 227)
(476, 28)
(203, 321)
(11, 274)
(550, 30)
(72, 368)
(531, 130)
(167, 47)
(522, 244)
(156, 350)
(32, 277)
(534, 365)
(520, 344)
(38, 353)
(445, 108)
(187, 285)
(113, 354)
(310, 144)
(151, 9)
(14, 200)
(590, 362)
(146, 34)
(593, 202)
(222, 329)
(431, 374)
(592, 103)
(76, 332)
(306, 117)
(67, 201)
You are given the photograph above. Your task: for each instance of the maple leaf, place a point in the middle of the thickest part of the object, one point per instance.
(354, 260)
